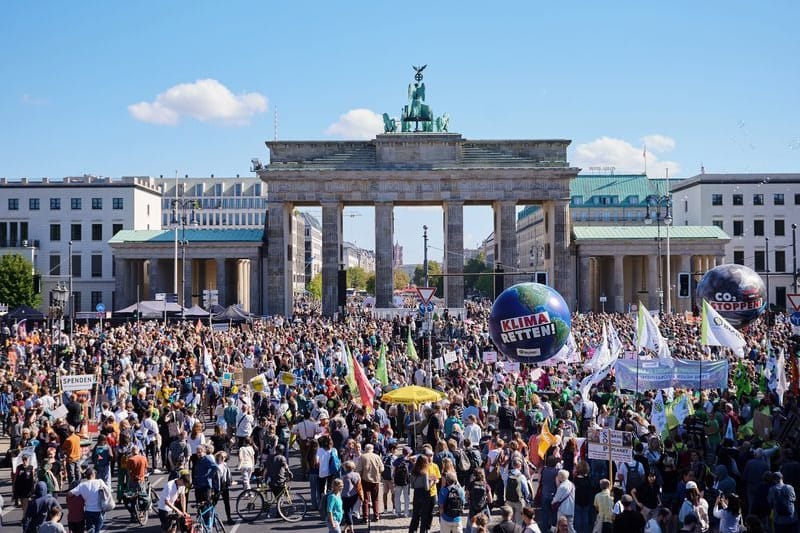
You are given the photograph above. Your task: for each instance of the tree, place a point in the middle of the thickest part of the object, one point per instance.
(482, 284)
(370, 284)
(315, 287)
(356, 278)
(433, 279)
(16, 282)
(400, 279)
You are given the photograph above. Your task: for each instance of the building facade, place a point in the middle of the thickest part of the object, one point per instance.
(760, 213)
(64, 226)
(313, 246)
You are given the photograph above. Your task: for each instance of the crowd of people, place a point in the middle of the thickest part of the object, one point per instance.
(503, 451)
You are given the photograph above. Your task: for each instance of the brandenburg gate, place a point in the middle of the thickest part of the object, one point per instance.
(421, 164)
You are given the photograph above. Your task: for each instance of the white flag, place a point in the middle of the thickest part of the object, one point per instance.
(729, 431)
(659, 414)
(681, 409)
(649, 336)
(782, 384)
(318, 368)
(593, 379)
(614, 343)
(716, 331)
(567, 354)
(602, 356)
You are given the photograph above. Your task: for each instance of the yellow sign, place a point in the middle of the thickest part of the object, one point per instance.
(287, 378)
(258, 383)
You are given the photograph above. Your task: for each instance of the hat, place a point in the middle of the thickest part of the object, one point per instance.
(691, 485)
(429, 452)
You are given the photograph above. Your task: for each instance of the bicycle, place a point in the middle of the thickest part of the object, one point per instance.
(253, 503)
(201, 523)
(140, 502)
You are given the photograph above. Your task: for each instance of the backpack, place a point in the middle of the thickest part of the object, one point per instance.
(453, 503)
(464, 464)
(387, 468)
(635, 477)
(478, 498)
(323, 507)
(401, 474)
(513, 489)
(783, 505)
(177, 453)
(334, 463)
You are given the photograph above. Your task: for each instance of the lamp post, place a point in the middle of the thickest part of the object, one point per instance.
(179, 220)
(794, 257)
(71, 296)
(427, 313)
(659, 209)
(766, 268)
(59, 296)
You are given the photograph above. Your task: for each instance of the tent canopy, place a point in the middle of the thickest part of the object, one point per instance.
(151, 309)
(196, 311)
(23, 312)
(233, 313)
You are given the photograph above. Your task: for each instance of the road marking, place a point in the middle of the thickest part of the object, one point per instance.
(234, 528)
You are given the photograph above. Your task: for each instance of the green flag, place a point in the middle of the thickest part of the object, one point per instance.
(411, 350)
(741, 379)
(380, 368)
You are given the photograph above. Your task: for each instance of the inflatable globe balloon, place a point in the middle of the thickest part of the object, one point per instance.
(529, 322)
(736, 292)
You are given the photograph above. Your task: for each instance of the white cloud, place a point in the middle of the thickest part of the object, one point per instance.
(204, 100)
(627, 158)
(32, 100)
(356, 124)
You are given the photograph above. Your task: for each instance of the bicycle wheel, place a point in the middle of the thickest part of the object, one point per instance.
(292, 507)
(250, 505)
(141, 512)
(153, 502)
(218, 527)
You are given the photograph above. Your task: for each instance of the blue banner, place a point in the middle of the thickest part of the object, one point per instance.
(658, 374)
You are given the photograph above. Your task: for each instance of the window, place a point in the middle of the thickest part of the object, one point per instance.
(780, 261)
(738, 257)
(55, 265)
(77, 270)
(116, 203)
(758, 199)
(55, 232)
(777, 198)
(97, 232)
(738, 228)
(97, 297)
(13, 204)
(115, 228)
(97, 203)
(716, 199)
(97, 266)
(77, 305)
(23, 231)
(780, 227)
(738, 199)
(75, 232)
(780, 296)
(33, 204)
(55, 204)
(718, 223)
(797, 198)
(758, 227)
(760, 261)
(75, 203)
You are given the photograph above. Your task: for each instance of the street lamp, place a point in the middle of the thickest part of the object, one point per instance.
(659, 209)
(71, 296)
(180, 219)
(795, 273)
(59, 296)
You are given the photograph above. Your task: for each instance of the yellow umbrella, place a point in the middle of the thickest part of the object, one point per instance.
(413, 395)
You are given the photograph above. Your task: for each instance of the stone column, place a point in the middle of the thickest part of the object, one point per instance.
(153, 276)
(122, 282)
(585, 304)
(384, 241)
(652, 282)
(331, 255)
(222, 282)
(563, 279)
(454, 254)
(719, 260)
(619, 283)
(255, 286)
(279, 259)
(505, 239)
(187, 280)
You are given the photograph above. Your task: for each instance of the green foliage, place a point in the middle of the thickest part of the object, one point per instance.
(315, 286)
(356, 278)
(16, 282)
(482, 284)
(371, 284)
(400, 279)
(434, 280)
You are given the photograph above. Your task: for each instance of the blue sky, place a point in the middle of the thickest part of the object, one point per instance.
(148, 88)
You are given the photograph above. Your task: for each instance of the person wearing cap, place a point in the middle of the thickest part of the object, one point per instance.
(172, 501)
(782, 500)
(695, 504)
(630, 519)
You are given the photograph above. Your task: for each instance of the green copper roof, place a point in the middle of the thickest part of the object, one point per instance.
(648, 232)
(591, 190)
(191, 235)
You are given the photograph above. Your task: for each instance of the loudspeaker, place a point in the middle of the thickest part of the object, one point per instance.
(341, 299)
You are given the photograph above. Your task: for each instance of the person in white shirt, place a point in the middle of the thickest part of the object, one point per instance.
(472, 430)
(172, 501)
(247, 458)
(565, 498)
(89, 489)
(244, 425)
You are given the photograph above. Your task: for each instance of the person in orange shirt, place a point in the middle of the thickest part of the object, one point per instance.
(72, 450)
(137, 469)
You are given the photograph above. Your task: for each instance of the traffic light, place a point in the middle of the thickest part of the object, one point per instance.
(683, 285)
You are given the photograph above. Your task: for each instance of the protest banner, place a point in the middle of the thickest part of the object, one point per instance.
(287, 378)
(227, 379)
(511, 366)
(77, 382)
(450, 357)
(489, 357)
(641, 375)
(610, 445)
